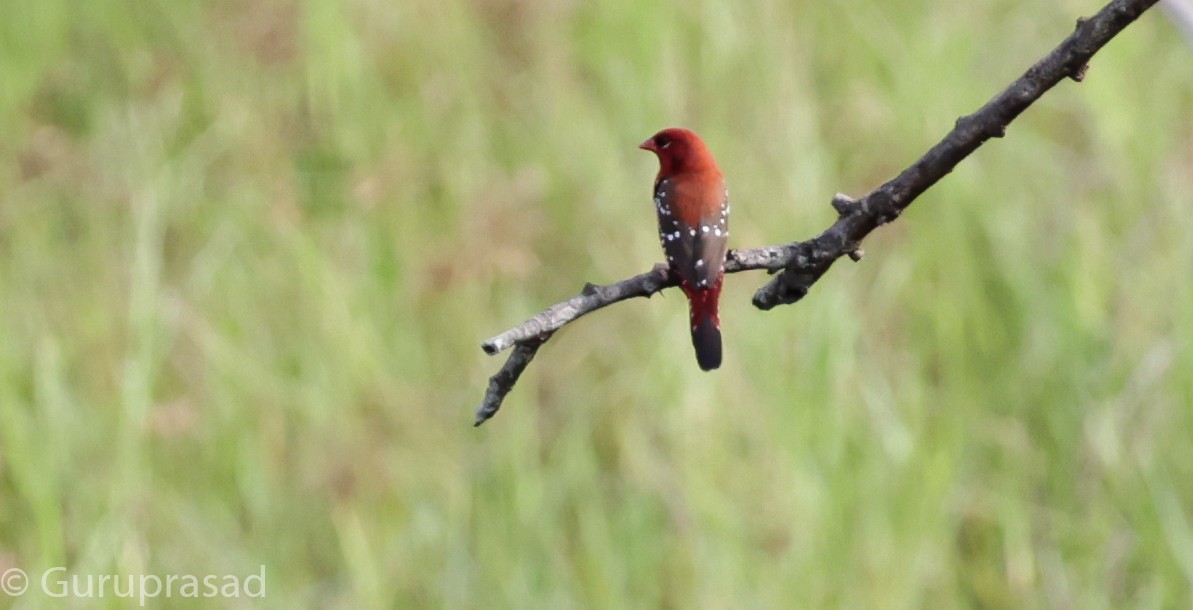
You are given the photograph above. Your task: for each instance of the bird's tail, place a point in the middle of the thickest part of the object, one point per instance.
(706, 326)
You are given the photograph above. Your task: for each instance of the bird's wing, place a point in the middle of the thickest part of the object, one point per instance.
(693, 228)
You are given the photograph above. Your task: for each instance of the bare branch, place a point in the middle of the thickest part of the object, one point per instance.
(799, 265)
(531, 334)
(592, 297)
(884, 204)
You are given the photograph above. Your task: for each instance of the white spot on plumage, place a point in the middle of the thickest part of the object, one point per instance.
(704, 228)
(692, 232)
(717, 231)
(699, 263)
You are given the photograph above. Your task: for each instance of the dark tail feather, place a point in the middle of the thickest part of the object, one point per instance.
(706, 325)
(706, 338)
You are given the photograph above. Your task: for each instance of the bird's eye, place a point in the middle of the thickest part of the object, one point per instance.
(664, 143)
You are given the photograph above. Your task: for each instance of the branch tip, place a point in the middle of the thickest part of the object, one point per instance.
(844, 204)
(503, 380)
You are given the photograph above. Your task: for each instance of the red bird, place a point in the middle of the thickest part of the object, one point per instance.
(693, 208)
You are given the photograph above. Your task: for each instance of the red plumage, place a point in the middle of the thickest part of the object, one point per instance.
(693, 211)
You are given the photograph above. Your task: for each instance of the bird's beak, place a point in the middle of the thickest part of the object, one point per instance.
(649, 145)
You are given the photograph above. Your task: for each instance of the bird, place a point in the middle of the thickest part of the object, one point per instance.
(692, 204)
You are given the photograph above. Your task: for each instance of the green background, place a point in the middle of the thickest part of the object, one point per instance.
(249, 249)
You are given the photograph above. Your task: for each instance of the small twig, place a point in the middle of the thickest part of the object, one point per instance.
(799, 265)
(503, 381)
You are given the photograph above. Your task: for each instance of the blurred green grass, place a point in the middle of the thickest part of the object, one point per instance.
(248, 251)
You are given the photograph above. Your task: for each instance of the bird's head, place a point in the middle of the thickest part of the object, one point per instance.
(679, 150)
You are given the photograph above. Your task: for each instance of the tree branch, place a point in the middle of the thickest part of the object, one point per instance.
(799, 265)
